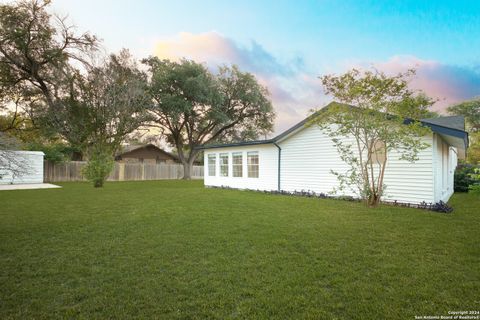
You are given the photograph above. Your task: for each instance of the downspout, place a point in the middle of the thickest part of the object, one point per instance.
(279, 162)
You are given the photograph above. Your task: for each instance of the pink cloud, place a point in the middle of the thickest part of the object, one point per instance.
(293, 91)
(448, 83)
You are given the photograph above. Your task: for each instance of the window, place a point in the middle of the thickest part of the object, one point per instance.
(252, 163)
(212, 161)
(237, 164)
(378, 154)
(224, 164)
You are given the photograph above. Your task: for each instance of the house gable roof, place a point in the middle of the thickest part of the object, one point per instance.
(130, 148)
(452, 122)
(453, 126)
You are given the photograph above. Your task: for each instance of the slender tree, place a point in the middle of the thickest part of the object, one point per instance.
(112, 102)
(193, 107)
(377, 114)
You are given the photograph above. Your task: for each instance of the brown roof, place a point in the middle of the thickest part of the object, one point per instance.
(133, 147)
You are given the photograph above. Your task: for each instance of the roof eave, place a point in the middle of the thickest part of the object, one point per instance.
(235, 144)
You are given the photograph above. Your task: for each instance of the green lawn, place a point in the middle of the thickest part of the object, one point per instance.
(174, 250)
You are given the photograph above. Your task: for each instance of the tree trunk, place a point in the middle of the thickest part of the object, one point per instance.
(373, 200)
(98, 184)
(188, 165)
(187, 170)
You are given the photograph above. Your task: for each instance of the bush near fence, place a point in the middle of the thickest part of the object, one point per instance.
(72, 171)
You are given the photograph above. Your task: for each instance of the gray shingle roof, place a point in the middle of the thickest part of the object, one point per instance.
(450, 125)
(452, 122)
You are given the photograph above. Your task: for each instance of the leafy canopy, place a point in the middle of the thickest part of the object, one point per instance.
(369, 123)
(192, 106)
(471, 111)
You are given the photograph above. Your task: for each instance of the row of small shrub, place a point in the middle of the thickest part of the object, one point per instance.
(467, 178)
(437, 207)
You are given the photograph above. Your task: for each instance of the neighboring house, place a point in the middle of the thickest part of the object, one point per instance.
(302, 158)
(146, 153)
(21, 167)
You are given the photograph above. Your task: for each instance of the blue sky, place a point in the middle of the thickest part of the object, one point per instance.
(287, 44)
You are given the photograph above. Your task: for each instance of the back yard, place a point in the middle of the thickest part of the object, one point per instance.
(172, 249)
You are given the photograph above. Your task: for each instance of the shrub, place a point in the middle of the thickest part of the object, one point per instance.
(475, 186)
(475, 189)
(99, 166)
(54, 152)
(463, 177)
(441, 207)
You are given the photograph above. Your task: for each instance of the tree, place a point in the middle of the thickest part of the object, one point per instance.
(112, 102)
(471, 111)
(376, 115)
(37, 54)
(99, 166)
(35, 48)
(193, 107)
(11, 163)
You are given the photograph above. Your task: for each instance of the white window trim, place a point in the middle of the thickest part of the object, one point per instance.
(220, 174)
(214, 155)
(258, 165)
(237, 153)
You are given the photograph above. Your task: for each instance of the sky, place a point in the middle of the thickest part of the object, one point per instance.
(289, 44)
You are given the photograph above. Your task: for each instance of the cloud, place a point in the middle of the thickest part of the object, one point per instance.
(293, 90)
(449, 84)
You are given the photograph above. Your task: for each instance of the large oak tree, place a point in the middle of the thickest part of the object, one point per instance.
(194, 107)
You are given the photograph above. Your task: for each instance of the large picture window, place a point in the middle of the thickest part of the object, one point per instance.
(212, 159)
(237, 164)
(252, 164)
(224, 164)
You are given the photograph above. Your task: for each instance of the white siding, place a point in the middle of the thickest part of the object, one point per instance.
(444, 161)
(307, 160)
(33, 161)
(309, 156)
(411, 182)
(268, 167)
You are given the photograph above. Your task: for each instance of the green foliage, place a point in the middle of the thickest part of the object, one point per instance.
(194, 107)
(99, 165)
(36, 49)
(475, 186)
(40, 61)
(54, 152)
(471, 111)
(473, 153)
(463, 178)
(370, 122)
(109, 104)
(112, 102)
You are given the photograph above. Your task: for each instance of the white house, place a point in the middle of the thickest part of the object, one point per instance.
(302, 158)
(21, 167)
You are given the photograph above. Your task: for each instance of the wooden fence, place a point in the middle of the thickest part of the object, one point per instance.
(72, 171)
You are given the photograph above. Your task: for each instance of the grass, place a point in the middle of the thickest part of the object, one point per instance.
(174, 250)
